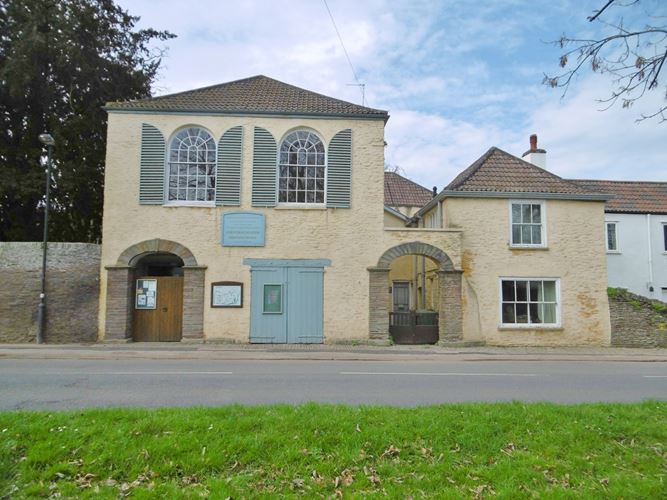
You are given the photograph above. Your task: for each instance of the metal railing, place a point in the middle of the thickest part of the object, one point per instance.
(413, 318)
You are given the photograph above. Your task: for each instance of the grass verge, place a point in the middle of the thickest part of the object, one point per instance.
(506, 450)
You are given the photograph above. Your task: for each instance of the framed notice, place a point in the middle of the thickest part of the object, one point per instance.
(146, 296)
(273, 299)
(226, 294)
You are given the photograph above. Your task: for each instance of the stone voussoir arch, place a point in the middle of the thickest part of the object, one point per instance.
(120, 290)
(416, 248)
(130, 255)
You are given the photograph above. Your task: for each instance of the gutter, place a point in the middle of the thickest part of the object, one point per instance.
(285, 114)
(396, 213)
(510, 195)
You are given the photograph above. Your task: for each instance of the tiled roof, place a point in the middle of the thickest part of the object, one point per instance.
(499, 171)
(257, 94)
(631, 196)
(402, 192)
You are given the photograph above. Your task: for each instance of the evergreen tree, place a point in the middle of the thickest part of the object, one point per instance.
(60, 62)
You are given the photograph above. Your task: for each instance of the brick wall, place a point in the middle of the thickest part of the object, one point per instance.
(637, 321)
(72, 291)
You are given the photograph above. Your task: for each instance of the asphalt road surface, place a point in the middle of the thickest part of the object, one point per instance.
(62, 384)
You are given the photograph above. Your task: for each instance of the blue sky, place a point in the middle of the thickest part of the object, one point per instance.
(456, 77)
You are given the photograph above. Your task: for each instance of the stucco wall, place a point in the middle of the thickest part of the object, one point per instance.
(353, 239)
(72, 288)
(630, 267)
(392, 221)
(575, 254)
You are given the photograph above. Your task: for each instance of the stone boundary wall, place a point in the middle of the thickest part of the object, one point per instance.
(72, 291)
(637, 321)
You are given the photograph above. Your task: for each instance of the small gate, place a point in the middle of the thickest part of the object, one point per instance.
(414, 327)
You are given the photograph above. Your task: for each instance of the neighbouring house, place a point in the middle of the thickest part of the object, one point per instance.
(533, 259)
(635, 235)
(402, 198)
(253, 211)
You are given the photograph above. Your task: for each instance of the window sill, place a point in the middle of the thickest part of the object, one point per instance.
(617, 252)
(527, 247)
(301, 206)
(207, 204)
(523, 327)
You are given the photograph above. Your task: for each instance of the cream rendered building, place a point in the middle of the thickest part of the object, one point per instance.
(533, 254)
(253, 211)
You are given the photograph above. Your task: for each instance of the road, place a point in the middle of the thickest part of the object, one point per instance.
(79, 383)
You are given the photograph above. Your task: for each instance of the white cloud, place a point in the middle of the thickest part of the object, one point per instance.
(584, 142)
(432, 149)
(456, 77)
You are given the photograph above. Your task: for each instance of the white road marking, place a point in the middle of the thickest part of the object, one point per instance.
(451, 374)
(655, 376)
(149, 373)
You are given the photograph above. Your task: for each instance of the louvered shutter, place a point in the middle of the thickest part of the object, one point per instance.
(339, 170)
(151, 166)
(264, 166)
(228, 174)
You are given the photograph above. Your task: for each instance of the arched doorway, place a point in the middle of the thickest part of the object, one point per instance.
(155, 269)
(158, 303)
(441, 305)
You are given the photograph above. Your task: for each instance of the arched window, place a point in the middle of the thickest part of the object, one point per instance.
(192, 166)
(301, 169)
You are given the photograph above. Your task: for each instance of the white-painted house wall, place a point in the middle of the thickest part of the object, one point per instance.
(633, 265)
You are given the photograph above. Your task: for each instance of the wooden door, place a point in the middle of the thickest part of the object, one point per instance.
(305, 299)
(401, 293)
(165, 322)
(268, 316)
(286, 305)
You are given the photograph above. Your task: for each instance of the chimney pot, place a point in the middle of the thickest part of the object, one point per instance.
(533, 142)
(435, 191)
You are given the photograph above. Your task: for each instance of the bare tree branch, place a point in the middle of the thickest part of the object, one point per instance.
(633, 57)
(594, 17)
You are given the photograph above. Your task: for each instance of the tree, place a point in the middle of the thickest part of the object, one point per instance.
(634, 55)
(60, 62)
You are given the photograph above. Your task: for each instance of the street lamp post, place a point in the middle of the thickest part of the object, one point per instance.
(49, 142)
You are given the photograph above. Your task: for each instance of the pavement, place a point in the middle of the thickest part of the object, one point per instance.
(333, 352)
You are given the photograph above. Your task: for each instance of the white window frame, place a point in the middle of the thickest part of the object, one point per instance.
(187, 203)
(296, 204)
(543, 223)
(529, 326)
(607, 223)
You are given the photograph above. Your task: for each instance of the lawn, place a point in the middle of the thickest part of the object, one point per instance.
(511, 450)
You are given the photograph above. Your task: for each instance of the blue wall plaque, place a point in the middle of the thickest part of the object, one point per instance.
(243, 229)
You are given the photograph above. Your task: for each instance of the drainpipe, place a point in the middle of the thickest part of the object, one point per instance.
(415, 281)
(441, 221)
(650, 254)
(423, 282)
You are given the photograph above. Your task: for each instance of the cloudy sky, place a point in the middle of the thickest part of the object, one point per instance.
(456, 77)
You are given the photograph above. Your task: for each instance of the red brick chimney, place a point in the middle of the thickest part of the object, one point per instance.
(533, 142)
(535, 156)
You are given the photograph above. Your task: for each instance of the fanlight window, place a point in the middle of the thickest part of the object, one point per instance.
(192, 166)
(301, 176)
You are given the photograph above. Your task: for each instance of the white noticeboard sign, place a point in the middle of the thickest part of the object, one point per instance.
(146, 297)
(227, 294)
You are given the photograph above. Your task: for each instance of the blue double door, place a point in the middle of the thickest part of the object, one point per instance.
(286, 304)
